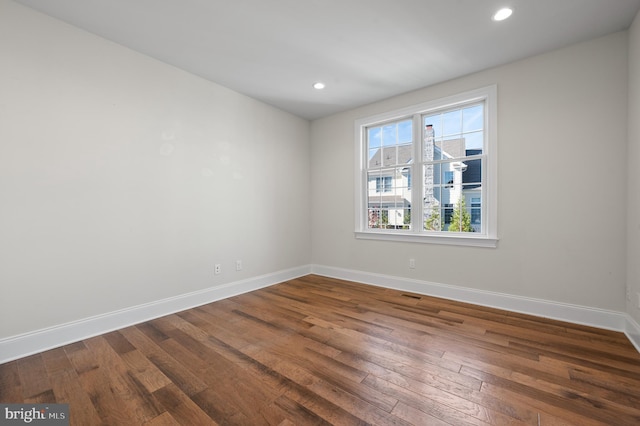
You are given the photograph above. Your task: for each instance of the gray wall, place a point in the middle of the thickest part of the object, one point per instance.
(562, 141)
(124, 180)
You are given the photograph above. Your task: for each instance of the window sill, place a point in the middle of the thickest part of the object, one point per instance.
(452, 240)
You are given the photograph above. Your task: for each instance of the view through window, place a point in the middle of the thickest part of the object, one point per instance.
(424, 172)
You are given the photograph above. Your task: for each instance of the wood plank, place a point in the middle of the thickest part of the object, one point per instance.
(10, 384)
(438, 403)
(144, 371)
(164, 419)
(417, 417)
(169, 366)
(94, 380)
(67, 389)
(127, 392)
(33, 376)
(568, 400)
(319, 351)
(182, 408)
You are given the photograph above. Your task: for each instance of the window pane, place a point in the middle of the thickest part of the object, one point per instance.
(437, 187)
(452, 148)
(438, 152)
(375, 199)
(460, 214)
(406, 173)
(432, 195)
(374, 137)
(473, 118)
(405, 154)
(375, 158)
(390, 145)
(372, 182)
(378, 217)
(452, 123)
(448, 196)
(405, 132)
(396, 216)
(437, 174)
(455, 134)
(451, 143)
(473, 195)
(430, 151)
(389, 198)
(431, 179)
(437, 148)
(407, 218)
(447, 179)
(397, 155)
(473, 142)
(389, 135)
(447, 214)
(388, 184)
(389, 156)
(380, 182)
(435, 122)
(472, 174)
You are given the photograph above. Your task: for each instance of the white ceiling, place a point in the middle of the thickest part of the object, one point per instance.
(364, 50)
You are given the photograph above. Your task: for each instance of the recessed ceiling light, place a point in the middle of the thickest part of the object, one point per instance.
(319, 85)
(502, 14)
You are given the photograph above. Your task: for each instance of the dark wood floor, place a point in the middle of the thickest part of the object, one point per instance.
(315, 351)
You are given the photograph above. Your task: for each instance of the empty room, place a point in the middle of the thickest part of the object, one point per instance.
(305, 212)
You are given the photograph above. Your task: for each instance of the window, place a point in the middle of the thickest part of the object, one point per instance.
(476, 211)
(428, 173)
(448, 179)
(383, 184)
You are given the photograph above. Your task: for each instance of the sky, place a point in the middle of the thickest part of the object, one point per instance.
(464, 123)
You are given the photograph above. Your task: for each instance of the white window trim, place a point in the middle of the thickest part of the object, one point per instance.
(489, 238)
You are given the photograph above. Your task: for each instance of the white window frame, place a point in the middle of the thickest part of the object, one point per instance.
(488, 237)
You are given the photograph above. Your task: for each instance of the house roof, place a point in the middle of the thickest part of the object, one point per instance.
(392, 156)
(399, 155)
(473, 174)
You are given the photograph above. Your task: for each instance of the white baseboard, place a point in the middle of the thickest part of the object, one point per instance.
(19, 346)
(632, 330)
(15, 347)
(600, 318)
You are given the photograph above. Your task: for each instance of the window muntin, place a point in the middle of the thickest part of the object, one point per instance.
(383, 183)
(476, 211)
(390, 151)
(453, 142)
(443, 181)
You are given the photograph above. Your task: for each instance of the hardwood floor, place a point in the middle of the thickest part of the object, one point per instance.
(317, 351)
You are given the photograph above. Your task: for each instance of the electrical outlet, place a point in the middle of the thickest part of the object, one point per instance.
(217, 269)
(628, 294)
(412, 263)
(238, 265)
(638, 294)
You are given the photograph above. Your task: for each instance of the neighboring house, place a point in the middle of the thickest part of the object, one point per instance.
(389, 189)
(389, 185)
(472, 188)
